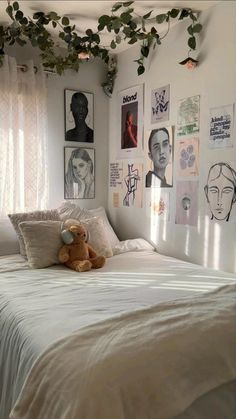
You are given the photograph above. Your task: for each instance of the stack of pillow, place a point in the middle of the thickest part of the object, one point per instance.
(39, 232)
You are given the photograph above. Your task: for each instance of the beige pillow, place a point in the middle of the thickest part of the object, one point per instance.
(70, 210)
(18, 218)
(42, 242)
(97, 237)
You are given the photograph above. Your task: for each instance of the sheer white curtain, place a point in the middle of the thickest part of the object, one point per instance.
(23, 119)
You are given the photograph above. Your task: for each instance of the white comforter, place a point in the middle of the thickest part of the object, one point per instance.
(152, 363)
(38, 307)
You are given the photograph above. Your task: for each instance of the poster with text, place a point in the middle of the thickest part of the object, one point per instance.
(186, 203)
(221, 126)
(160, 104)
(158, 204)
(188, 122)
(130, 123)
(132, 184)
(116, 183)
(187, 160)
(159, 158)
(220, 191)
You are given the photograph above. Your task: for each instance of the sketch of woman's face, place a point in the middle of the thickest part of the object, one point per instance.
(220, 196)
(80, 168)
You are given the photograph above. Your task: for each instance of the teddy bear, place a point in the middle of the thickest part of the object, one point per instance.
(77, 254)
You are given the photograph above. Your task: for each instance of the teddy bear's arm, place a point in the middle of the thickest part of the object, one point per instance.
(92, 253)
(63, 254)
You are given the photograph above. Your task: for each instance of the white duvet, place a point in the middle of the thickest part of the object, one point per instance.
(152, 363)
(39, 307)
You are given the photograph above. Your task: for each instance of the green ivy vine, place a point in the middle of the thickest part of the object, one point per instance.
(123, 22)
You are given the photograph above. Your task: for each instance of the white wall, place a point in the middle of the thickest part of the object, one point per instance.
(88, 79)
(210, 243)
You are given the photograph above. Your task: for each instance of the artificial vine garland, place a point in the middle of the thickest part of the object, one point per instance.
(123, 22)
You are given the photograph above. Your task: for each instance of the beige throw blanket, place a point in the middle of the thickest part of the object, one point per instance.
(148, 364)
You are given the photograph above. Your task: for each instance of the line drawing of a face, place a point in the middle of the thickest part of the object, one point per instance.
(221, 190)
(81, 168)
(160, 149)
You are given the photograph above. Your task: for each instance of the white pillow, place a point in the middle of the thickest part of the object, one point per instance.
(97, 236)
(132, 245)
(9, 243)
(101, 213)
(19, 217)
(71, 210)
(42, 242)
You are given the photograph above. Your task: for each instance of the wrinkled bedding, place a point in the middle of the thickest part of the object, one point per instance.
(39, 307)
(133, 365)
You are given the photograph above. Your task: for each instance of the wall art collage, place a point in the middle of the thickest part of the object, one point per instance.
(149, 167)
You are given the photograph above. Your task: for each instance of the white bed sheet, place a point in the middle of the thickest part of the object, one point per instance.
(37, 307)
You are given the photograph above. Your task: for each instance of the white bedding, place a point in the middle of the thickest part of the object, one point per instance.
(38, 307)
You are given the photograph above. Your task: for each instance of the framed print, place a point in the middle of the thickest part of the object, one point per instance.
(130, 141)
(79, 173)
(159, 151)
(160, 104)
(79, 116)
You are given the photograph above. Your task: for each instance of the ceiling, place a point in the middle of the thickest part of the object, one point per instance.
(84, 14)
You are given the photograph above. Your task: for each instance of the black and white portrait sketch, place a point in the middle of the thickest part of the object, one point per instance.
(79, 116)
(159, 153)
(220, 191)
(79, 173)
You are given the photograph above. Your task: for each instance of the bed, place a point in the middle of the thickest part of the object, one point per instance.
(41, 310)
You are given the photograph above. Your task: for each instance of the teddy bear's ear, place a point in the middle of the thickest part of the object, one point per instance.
(67, 236)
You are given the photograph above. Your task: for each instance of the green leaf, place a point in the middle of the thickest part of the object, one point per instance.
(174, 13)
(67, 38)
(24, 21)
(190, 30)
(147, 15)
(192, 42)
(197, 28)
(133, 40)
(127, 3)
(116, 6)
(19, 15)
(96, 38)
(38, 15)
(9, 11)
(101, 27)
(116, 23)
(145, 51)
(52, 15)
(161, 18)
(54, 24)
(127, 31)
(104, 20)
(118, 39)
(89, 32)
(15, 5)
(153, 31)
(133, 25)
(113, 44)
(192, 16)
(125, 17)
(184, 13)
(140, 70)
(65, 21)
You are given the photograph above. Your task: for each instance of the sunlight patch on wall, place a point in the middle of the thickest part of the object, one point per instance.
(206, 241)
(216, 246)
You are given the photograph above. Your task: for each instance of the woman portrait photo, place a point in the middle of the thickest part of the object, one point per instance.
(129, 127)
(79, 116)
(79, 173)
